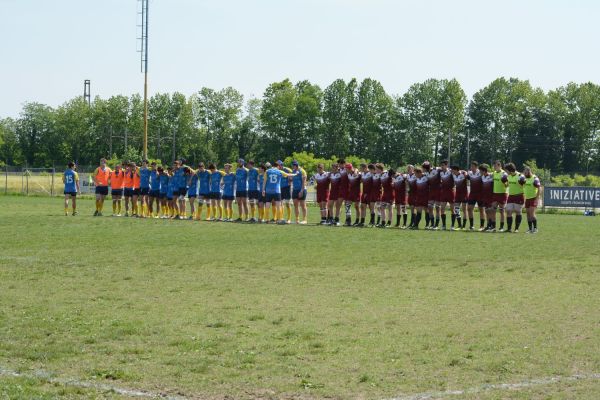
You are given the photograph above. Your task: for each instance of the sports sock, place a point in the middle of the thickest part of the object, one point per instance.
(453, 220)
(481, 222)
(534, 223)
(114, 207)
(362, 220)
(397, 220)
(437, 221)
(471, 223)
(404, 218)
(518, 221)
(66, 210)
(426, 219)
(288, 212)
(509, 223)
(461, 223)
(443, 221)
(378, 219)
(119, 207)
(418, 218)
(97, 205)
(529, 224)
(501, 224)
(372, 221)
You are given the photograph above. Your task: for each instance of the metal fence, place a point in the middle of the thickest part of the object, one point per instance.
(38, 181)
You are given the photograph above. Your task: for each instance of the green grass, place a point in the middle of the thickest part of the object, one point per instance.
(214, 309)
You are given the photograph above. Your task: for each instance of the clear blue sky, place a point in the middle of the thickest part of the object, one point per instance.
(49, 47)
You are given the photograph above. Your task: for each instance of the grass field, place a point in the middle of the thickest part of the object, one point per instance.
(216, 310)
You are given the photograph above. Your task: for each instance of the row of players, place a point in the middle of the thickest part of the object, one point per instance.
(426, 189)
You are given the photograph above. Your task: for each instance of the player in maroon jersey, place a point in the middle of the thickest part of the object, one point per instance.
(447, 192)
(366, 178)
(399, 184)
(421, 196)
(432, 218)
(387, 197)
(460, 197)
(474, 198)
(487, 195)
(334, 194)
(344, 187)
(375, 197)
(322, 181)
(354, 191)
(411, 180)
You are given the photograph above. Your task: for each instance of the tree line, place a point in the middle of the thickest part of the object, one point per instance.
(508, 120)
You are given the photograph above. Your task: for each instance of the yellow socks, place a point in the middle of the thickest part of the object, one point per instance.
(288, 211)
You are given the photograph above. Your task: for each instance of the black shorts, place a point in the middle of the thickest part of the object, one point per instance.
(154, 193)
(272, 197)
(144, 191)
(241, 193)
(128, 192)
(254, 194)
(473, 202)
(72, 194)
(181, 192)
(136, 191)
(103, 190)
(116, 192)
(162, 196)
(295, 194)
(262, 199)
(286, 193)
(214, 196)
(170, 198)
(225, 197)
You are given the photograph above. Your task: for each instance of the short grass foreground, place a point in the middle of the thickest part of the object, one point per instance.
(210, 310)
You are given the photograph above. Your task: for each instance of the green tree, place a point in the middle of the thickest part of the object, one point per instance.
(34, 126)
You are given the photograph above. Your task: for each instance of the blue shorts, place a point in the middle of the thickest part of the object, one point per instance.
(162, 196)
(295, 194)
(262, 199)
(128, 192)
(241, 193)
(72, 194)
(286, 193)
(103, 190)
(227, 197)
(214, 196)
(154, 193)
(191, 192)
(272, 197)
(144, 191)
(116, 192)
(254, 194)
(136, 191)
(170, 198)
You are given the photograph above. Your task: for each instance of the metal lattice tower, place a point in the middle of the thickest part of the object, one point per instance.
(143, 50)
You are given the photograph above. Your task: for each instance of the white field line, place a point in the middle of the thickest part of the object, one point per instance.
(45, 376)
(498, 386)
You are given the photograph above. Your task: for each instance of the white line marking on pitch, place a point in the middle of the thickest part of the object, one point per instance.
(498, 386)
(45, 376)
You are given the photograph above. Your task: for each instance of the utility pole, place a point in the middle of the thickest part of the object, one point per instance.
(144, 67)
(449, 144)
(173, 144)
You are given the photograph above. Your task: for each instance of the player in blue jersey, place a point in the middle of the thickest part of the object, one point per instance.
(154, 194)
(144, 189)
(286, 192)
(180, 175)
(215, 193)
(71, 180)
(271, 189)
(203, 190)
(253, 190)
(229, 180)
(261, 198)
(241, 190)
(299, 192)
(171, 195)
(164, 186)
(192, 191)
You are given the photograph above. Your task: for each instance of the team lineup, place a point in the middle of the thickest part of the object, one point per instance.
(264, 193)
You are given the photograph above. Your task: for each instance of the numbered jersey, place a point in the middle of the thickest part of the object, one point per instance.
(70, 178)
(273, 178)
